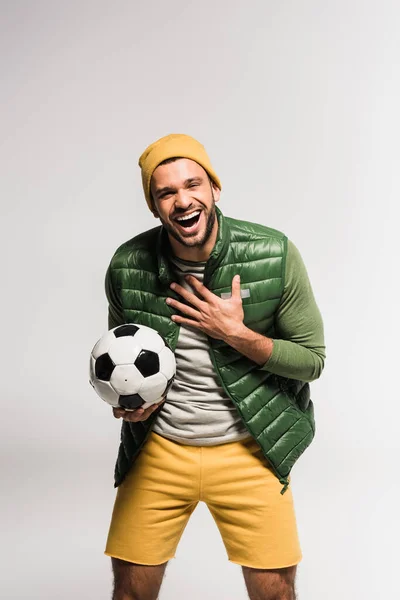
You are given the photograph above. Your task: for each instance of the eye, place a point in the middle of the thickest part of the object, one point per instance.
(193, 184)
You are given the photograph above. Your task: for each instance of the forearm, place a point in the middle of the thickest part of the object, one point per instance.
(295, 361)
(257, 347)
(298, 338)
(281, 357)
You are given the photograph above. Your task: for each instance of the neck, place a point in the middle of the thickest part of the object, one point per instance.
(195, 253)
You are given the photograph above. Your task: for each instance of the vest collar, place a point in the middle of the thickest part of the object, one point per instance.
(220, 249)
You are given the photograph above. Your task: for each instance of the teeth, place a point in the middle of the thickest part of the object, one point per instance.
(193, 214)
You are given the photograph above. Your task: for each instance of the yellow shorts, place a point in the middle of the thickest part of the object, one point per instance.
(167, 481)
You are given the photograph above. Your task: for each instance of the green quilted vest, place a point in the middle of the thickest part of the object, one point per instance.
(276, 410)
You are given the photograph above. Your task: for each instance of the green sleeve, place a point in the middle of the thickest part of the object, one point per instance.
(299, 348)
(115, 312)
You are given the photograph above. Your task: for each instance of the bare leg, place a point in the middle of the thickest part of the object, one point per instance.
(270, 584)
(136, 582)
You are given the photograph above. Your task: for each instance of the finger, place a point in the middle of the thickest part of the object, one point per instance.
(138, 414)
(184, 321)
(154, 407)
(135, 416)
(132, 414)
(236, 287)
(191, 312)
(151, 408)
(189, 296)
(200, 288)
(118, 412)
(147, 412)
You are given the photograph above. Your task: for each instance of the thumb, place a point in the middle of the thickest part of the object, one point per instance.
(236, 287)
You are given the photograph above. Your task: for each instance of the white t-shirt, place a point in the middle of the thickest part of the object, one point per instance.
(197, 411)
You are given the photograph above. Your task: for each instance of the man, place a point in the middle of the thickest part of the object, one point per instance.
(233, 300)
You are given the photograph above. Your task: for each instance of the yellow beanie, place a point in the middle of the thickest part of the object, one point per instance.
(175, 144)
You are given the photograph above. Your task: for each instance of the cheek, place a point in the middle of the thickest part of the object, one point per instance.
(163, 210)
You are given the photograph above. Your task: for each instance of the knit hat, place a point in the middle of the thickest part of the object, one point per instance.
(173, 145)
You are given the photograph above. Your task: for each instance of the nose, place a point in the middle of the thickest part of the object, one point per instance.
(183, 199)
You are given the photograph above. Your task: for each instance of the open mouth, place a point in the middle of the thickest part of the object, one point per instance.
(189, 221)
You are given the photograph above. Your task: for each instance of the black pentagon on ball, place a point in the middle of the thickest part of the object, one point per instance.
(147, 363)
(132, 401)
(104, 367)
(127, 329)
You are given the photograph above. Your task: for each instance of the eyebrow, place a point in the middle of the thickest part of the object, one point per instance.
(187, 182)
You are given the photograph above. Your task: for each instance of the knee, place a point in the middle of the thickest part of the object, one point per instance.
(120, 592)
(284, 593)
(125, 588)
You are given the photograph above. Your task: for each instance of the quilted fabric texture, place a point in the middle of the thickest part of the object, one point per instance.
(277, 411)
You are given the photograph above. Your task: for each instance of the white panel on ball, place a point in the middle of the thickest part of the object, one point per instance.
(153, 387)
(102, 346)
(106, 392)
(149, 339)
(126, 379)
(124, 350)
(167, 362)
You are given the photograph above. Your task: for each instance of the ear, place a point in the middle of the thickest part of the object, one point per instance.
(216, 192)
(153, 204)
(153, 207)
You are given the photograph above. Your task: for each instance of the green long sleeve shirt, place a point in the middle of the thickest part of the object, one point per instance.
(299, 347)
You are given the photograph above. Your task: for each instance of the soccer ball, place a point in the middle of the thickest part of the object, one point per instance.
(131, 366)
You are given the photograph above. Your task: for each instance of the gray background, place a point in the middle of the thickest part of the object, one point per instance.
(297, 104)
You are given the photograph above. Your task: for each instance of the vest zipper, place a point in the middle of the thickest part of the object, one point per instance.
(283, 480)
